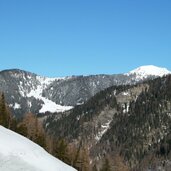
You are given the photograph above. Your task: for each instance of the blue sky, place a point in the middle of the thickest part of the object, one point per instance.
(75, 37)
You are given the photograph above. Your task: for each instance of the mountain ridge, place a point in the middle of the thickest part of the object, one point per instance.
(143, 67)
(39, 94)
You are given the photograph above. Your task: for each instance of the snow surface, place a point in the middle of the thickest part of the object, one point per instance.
(48, 105)
(125, 93)
(103, 130)
(52, 106)
(17, 153)
(17, 106)
(149, 70)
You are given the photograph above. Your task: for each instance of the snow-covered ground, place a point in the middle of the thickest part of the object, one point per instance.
(48, 105)
(17, 153)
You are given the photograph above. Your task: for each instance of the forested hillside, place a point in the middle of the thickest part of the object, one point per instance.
(132, 122)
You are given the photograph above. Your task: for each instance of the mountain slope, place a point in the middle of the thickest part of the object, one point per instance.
(18, 153)
(133, 121)
(28, 92)
(24, 92)
(141, 129)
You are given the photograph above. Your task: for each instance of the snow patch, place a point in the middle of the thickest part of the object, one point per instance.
(10, 105)
(52, 106)
(21, 90)
(125, 108)
(80, 103)
(103, 130)
(125, 93)
(17, 106)
(29, 104)
(48, 106)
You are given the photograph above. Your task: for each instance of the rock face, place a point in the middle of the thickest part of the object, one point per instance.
(25, 91)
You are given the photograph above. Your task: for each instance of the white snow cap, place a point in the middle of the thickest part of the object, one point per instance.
(149, 70)
(18, 153)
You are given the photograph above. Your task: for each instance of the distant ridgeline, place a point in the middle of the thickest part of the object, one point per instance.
(27, 92)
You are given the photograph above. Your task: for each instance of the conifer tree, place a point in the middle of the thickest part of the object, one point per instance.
(4, 114)
(84, 159)
(60, 150)
(94, 168)
(106, 166)
(31, 128)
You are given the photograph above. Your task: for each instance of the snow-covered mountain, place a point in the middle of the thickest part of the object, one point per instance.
(147, 71)
(24, 92)
(28, 92)
(17, 153)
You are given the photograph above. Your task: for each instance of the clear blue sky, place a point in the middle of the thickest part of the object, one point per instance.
(75, 37)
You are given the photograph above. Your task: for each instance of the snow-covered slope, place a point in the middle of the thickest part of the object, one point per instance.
(48, 105)
(17, 153)
(148, 70)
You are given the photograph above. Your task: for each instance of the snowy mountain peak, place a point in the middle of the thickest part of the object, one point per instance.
(149, 70)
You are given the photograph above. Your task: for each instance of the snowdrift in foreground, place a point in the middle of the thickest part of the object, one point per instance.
(17, 153)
